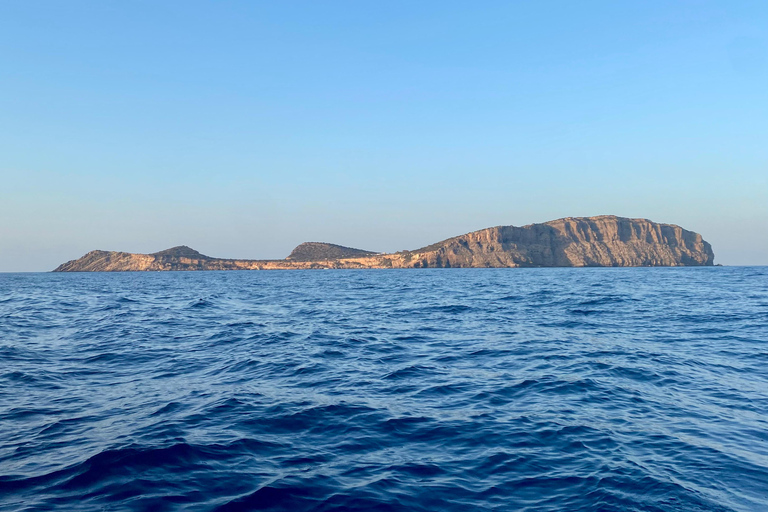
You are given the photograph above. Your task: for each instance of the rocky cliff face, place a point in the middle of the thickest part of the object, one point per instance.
(176, 258)
(604, 241)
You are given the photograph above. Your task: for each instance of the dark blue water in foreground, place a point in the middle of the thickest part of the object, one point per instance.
(440, 390)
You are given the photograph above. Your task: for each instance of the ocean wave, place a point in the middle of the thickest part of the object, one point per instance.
(541, 390)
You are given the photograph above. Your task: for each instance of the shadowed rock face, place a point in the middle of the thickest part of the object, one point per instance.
(181, 251)
(603, 241)
(318, 251)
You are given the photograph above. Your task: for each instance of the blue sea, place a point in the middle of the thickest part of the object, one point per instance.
(591, 389)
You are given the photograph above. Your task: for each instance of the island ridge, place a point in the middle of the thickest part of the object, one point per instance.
(602, 241)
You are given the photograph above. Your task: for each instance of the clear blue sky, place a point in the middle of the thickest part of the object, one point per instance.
(244, 128)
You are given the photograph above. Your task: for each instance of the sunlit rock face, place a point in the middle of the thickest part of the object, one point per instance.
(603, 241)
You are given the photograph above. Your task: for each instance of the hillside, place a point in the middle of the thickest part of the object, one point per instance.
(318, 251)
(602, 241)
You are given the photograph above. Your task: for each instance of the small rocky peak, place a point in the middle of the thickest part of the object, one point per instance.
(181, 251)
(318, 251)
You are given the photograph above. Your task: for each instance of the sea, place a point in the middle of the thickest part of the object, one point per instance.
(534, 389)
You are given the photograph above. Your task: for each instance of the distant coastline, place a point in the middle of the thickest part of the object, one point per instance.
(601, 241)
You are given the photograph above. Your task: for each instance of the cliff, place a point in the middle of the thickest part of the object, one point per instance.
(603, 241)
(176, 258)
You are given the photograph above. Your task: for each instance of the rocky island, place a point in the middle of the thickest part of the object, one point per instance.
(602, 241)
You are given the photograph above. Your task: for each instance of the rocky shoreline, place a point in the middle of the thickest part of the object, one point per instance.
(602, 241)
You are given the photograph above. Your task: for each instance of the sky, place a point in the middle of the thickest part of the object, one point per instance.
(243, 128)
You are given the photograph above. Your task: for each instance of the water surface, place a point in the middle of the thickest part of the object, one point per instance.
(445, 389)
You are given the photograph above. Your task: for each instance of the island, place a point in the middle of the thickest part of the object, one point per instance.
(601, 241)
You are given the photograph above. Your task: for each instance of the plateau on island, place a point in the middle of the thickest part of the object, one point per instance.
(601, 241)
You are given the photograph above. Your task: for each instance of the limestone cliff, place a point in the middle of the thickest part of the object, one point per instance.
(176, 258)
(603, 241)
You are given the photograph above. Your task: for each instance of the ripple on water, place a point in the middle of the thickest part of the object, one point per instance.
(455, 389)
